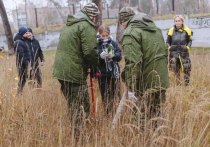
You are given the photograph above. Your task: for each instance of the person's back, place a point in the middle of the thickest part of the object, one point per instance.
(149, 52)
(145, 72)
(75, 50)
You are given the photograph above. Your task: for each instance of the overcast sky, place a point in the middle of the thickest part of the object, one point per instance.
(11, 4)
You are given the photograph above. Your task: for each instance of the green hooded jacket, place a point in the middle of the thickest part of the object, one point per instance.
(77, 49)
(145, 55)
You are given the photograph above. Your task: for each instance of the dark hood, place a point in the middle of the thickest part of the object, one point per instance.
(18, 37)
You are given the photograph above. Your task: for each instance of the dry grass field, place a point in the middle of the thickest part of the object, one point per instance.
(39, 117)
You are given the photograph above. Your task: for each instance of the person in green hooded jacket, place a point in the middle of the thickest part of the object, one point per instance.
(76, 52)
(145, 72)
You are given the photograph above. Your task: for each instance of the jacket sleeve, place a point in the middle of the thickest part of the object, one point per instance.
(41, 56)
(168, 41)
(189, 40)
(89, 46)
(19, 52)
(133, 60)
(117, 53)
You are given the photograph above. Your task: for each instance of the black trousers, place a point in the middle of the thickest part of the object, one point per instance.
(22, 74)
(35, 74)
(110, 90)
(78, 102)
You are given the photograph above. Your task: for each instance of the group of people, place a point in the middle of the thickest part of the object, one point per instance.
(81, 47)
(28, 55)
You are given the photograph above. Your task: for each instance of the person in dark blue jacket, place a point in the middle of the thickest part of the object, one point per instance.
(110, 55)
(22, 56)
(36, 57)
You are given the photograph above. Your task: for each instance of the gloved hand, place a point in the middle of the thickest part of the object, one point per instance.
(169, 47)
(131, 96)
(103, 55)
(110, 56)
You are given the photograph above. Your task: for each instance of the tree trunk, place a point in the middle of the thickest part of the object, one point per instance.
(157, 7)
(139, 6)
(173, 6)
(7, 28)
(99, 19)
(123, 3)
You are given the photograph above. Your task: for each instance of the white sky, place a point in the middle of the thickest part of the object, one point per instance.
(11, 4)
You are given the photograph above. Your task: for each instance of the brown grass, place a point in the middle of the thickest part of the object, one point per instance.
(39, 117)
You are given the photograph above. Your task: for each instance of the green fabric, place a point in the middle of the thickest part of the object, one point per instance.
(145, 55)
(77, 96)
(77, 49)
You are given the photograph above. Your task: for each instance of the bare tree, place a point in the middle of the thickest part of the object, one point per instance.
(123, 3)
(139, 6)
(99, 19)
(7, 28)
(58, 8)
(173, 6)
(157, 7)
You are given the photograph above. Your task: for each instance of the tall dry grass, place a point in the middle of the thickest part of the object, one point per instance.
(39, 117)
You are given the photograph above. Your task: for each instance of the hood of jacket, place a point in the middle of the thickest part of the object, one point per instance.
(78, 17)
(18, 37)
(143, 21)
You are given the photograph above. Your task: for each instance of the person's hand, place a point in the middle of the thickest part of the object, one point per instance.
(103, 55)
(131, 96)
(41, 63)
(169, 47)
(110, 56)
(98, 74)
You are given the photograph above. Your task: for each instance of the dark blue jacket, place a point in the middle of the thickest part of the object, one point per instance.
(22, 51)
(117, 57)
(35, 51)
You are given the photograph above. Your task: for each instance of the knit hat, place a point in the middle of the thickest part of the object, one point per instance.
(22, 31)
(125, 14)
(30, 30)
(91, 9)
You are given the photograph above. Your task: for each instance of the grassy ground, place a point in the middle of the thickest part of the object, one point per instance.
(39, 117)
